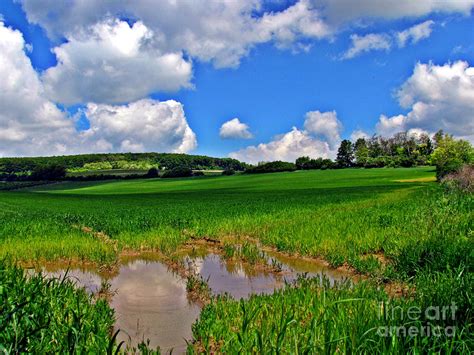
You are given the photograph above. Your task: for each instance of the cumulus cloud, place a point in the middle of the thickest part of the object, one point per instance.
(355, 135)
(415, 33)
(145, 125)
(325, 125)
(31, 124)
(439, 97)
(369, 42)
(223, 32)
(113, 62)
(218, 31)
(339, 11)
(234, 129)
(387, 126)
(286, 147)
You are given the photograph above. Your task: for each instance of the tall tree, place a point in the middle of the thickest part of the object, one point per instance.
(345, 154)
(361, 152)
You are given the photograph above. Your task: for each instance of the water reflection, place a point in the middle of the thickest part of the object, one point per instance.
(151, 302)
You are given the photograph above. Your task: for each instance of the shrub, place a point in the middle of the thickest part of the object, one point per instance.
(198, 173)
(450, 155)
(178, 172)
(48, 172)
(272, 167)
(152, 173)
(462, 179)
(302, 162)
(306, 163)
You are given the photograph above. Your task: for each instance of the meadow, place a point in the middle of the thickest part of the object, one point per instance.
(395, 225)
(313, 213)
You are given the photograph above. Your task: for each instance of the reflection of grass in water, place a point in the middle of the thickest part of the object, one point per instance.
(247, 252)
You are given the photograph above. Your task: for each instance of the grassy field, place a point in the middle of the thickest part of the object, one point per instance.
(314, 213)
(391, 224)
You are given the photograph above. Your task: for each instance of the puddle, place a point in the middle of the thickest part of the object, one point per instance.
(240, 280)
(151, 302)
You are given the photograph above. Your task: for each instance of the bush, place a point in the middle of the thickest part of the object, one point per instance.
(228, 172)
(48, 172)
(177, 172)
(306, 163)
(450, 155)
(461, 180)
(198, 173)
(152, 173)
(272, 167)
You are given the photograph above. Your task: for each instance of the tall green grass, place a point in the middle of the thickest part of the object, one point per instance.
(392, 224)
(39, 315)
(342, 215)
(313, 317)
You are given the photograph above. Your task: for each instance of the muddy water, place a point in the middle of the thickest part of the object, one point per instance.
(151, 302)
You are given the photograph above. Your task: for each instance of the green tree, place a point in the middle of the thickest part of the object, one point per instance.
(302, 162)
(48, 172)
(451, 154)
(361, 152)
(345, 154)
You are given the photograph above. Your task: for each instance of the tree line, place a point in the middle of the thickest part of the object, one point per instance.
(402, 150)
(159, 160)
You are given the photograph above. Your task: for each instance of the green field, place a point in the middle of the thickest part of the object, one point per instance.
(391, 224)
(315, 213)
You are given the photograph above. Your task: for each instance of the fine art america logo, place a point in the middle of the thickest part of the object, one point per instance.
(415, 321)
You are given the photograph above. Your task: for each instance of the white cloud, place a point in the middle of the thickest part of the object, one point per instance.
(286, 147)
(225, 31)
(218, 31)
(324, 124)
(415, 33)
(145, 125)
(300, 20)
(30, 124)
(388, 126)
(338, 11)
(369, 42)
(439, 97)
(113, 63)
(234, 129)
(355, 135)
(384, 41)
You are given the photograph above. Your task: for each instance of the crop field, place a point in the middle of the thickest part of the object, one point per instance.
(395, 226)
(313, 213)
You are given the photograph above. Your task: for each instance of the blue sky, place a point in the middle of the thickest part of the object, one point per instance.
(270, 85)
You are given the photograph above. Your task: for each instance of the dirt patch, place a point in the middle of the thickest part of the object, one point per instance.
(99, 235)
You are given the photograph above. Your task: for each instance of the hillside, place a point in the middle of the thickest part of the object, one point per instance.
(131, 161)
